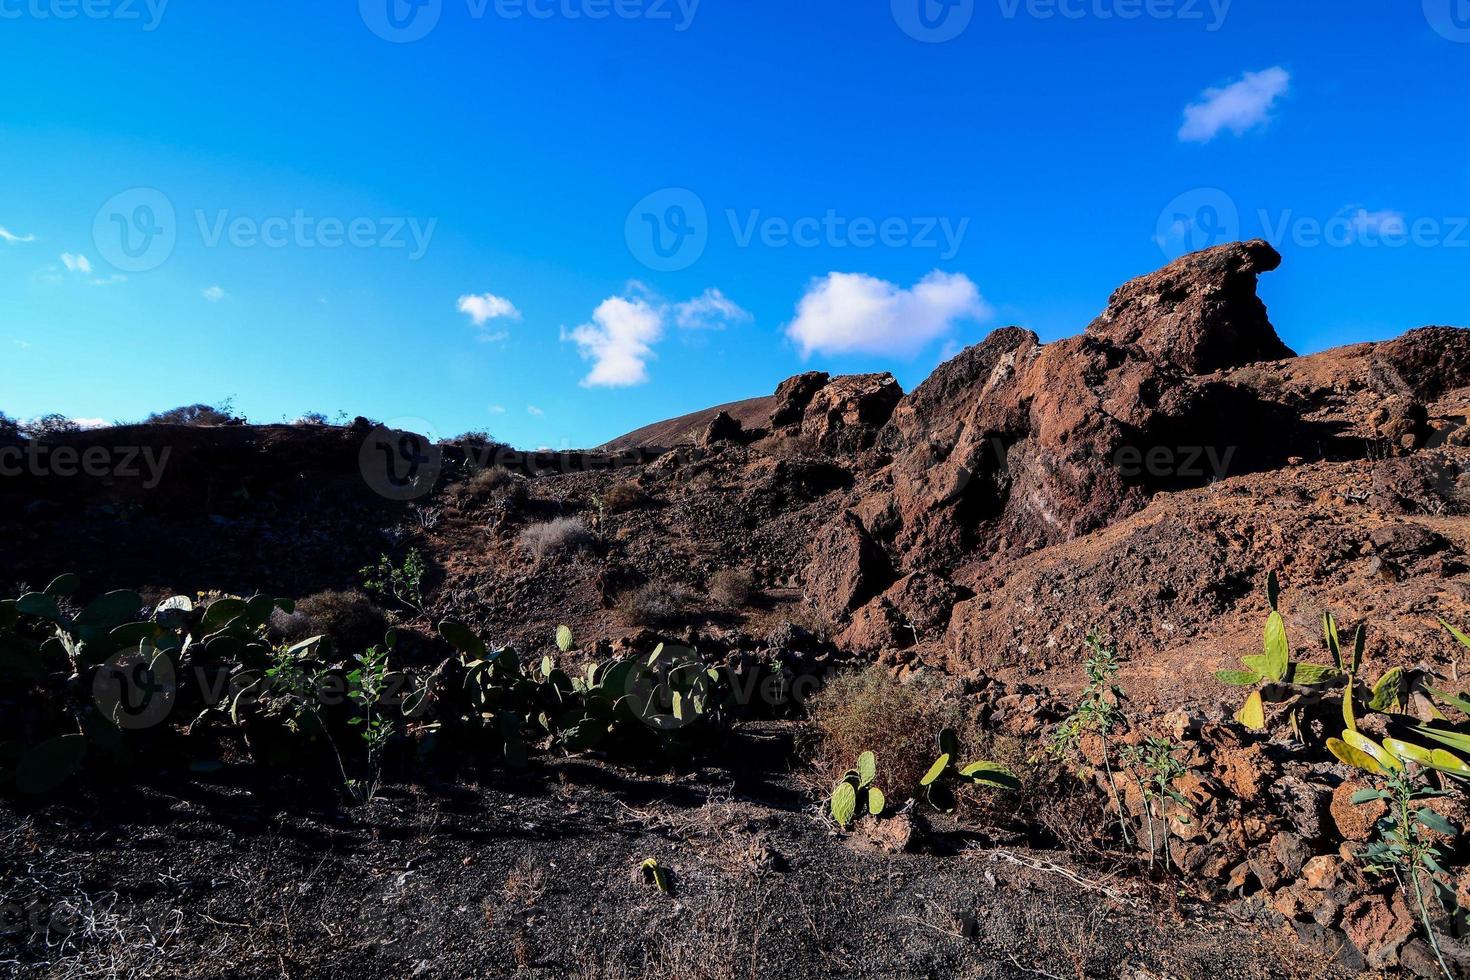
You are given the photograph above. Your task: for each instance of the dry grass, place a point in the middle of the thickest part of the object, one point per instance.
(657, 604)
(564, 535)
(872, 711)
(731, 587)
(622, 497)
(350, 618)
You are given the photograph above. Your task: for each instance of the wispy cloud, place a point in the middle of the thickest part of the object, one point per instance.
(485, 307)
(76, 263)
(497, 409)
(1239, 107)
(847, 313)
(215, 294)
(533, 410)
(711, 311)
(11, 238)
(1375, 224)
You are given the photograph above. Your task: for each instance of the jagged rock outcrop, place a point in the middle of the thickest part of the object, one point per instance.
(1199, 313)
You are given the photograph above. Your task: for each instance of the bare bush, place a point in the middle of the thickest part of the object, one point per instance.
(350, 618)
(564, 535)
(194, 415)
(731, 587)
(657, 604)
(872, 711)
(623, 497)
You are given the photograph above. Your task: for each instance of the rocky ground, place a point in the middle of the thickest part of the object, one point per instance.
(1140, 479)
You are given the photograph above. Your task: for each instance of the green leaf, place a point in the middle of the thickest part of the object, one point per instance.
(1444, 736)
(1435, 822)
(844, 803)
(1310, 675)
(1238, 678)
(1382, 756)
(936, 770)
(463, 639)
(1367, 795)
(1453, 700)
(1252, 714)
(38, 604)
(63, 585)
(1334, 642)
(1464, 640)
(876, 801)
(654, 873)
(1386, 691)
(1278, 650)
(991, 774)
(867, 768)
(1273, 591)
(1354, 757)
(1408, 752)
(48, 765)
(941, 797)
(220, 612)
(1255, 662)
(564, 639)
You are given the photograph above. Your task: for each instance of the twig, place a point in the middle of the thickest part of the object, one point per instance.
(1056, 869)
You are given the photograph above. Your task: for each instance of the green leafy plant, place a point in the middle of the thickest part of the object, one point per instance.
(1273, 670)
(367, 685)
(1098, 712)
(856, 794)
(1155, 769)
(403, 583)
(1406, 842)
(946, 773)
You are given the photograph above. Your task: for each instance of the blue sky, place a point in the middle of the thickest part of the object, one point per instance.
(299, 206)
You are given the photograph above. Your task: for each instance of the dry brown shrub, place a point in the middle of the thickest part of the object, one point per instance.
(622, 497)
(657, 604)
(731, 587)
(350, 618)
(899, 722)
(564, 535)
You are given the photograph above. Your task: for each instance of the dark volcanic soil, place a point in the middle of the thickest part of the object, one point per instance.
(538, 877)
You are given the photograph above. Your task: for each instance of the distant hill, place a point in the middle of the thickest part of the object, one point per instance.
(753, 413)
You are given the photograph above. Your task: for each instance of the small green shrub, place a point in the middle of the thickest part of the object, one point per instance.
(1098, 713)
(855, 794)
(403, 583)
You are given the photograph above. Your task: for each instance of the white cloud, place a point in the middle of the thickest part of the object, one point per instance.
(497, 409)
(854, 313)
(486, 307)
(76, 263)
(111, 280)
(11, 238)
(215, 293)
(712, 311)
(1238, 107)
(619, 341)
(533, 410)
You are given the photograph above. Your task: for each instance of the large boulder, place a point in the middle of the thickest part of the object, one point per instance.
(846, 414)
(1199, 313)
